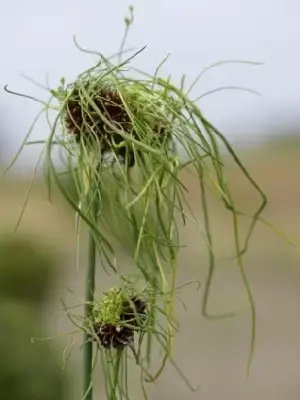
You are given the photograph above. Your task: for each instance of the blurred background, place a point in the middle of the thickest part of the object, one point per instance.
(38, 264)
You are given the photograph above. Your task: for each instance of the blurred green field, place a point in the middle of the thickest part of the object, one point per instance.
(212, 354)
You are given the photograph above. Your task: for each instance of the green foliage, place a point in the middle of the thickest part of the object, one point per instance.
(26, 270)
(27, 371)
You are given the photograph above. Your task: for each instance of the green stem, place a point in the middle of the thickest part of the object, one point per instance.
(116, 374)
(89, 297)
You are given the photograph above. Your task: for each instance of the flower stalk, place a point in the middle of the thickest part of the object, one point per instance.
(89, 298)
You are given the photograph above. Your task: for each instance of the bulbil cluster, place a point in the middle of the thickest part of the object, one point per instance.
(96, 113)
(116, 318)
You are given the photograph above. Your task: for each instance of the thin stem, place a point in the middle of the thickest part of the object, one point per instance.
(89, 297)
(116, 374)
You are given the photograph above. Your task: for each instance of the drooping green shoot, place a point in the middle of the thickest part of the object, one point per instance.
(118, 131)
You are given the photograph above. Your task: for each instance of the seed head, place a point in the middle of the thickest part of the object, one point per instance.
(115, 318)
(95, 112)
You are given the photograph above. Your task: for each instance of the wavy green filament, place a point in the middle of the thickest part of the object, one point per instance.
(138, 204)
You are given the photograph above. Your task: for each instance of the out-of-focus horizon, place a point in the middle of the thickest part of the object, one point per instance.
(212, 354)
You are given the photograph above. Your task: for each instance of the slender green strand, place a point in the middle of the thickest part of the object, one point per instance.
(89, 298)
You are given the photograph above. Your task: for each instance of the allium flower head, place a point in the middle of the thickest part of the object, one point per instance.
(115, 318)
(98, 111)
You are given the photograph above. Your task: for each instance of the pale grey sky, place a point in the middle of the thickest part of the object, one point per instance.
(36, 39)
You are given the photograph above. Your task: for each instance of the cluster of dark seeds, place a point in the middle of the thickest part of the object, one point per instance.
(83, 120)
(120, 336)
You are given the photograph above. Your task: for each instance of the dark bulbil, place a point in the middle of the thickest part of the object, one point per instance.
(83, 120)
(117, 337)
(120, 336)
